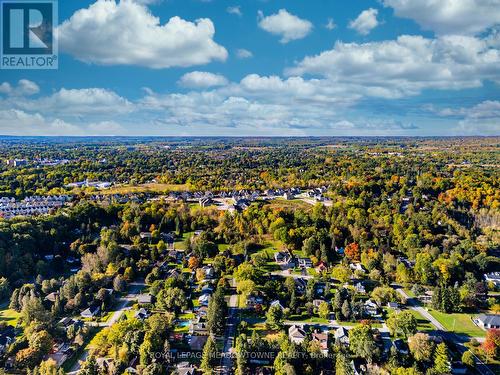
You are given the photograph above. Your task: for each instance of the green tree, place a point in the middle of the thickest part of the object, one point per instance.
(441, 359)
(324, 310)
(402, 324)
(216, 314)
(421, 347)
(274, 317)
(361, 342)
(209, 358)
(343, 365)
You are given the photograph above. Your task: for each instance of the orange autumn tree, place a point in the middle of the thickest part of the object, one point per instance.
(491, 344)
(352, 252)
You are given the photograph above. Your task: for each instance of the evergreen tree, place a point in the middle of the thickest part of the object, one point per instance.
(343, 365)
(209, 358)
(217, 310)
(441, 359)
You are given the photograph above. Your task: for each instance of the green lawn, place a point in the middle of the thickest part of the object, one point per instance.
(9, 316)
(180, 243)
(308, 319)
(423, 324)
(458, 323)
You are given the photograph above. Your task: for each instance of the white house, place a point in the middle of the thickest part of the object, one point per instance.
(488, 321)
(296, 334)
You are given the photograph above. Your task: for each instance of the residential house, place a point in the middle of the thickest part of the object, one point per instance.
(488, 321)
(393, 305)
(371, 308)
(357, 267)
(253, 301)
(206, 202)
(276, 303)
(400, 346)
(305, 262)
(6, 338)
(209, 272)
(342, 336)
(91, 312)
(300, 285)
(185, 368)
(360, 288)
(60, 353)
(322, 339)
(296, 334)
(67, 322)
(141, 314)
(201, 311)
(493, 277)
(197, 342)
(318, 302)
(198, 328)
(52, 297)
(146, 235)
(284, 258)
(359, 366)
(173, 273)
(169, 239)
(321, 267)
(144, 299)
(204, 299)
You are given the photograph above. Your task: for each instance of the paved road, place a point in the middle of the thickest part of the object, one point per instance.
(230, 333)
(133, 291)
(459, 340)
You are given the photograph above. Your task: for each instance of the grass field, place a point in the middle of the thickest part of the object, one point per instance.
(9, 316)
(144, 188)
(294, 203)
(180, 243)
(458, 323)
(423, 324)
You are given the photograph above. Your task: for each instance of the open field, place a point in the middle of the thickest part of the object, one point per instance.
(294, 203)
(144, 188)
(423, 324)
(9, 316)
(458, 323)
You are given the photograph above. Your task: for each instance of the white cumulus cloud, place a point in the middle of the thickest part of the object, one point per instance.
(236, 10)
(243, 53)
(366, 21)
(449, 16)
(286, 25)
(24, 88)
(126, 33)
(407, 65)
(198, 79)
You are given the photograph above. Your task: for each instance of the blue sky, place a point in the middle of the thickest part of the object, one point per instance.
(256, 67)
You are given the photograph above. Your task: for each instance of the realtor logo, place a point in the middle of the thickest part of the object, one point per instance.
(27, 40)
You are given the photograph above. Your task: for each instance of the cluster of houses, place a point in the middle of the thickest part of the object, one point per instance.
(36, 162)
(16, 162)
(31, 206)
(241, 199)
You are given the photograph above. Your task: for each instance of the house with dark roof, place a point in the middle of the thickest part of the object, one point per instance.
(197, 342)
(488, 321)
(91, 312)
